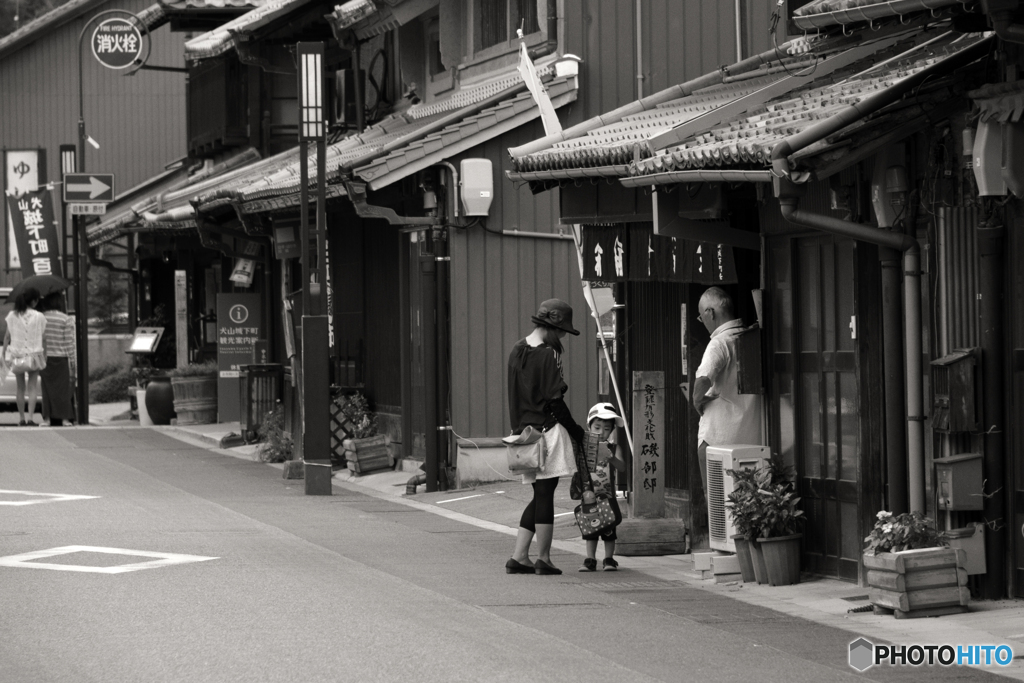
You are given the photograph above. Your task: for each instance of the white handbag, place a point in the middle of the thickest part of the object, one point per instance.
(527, 452)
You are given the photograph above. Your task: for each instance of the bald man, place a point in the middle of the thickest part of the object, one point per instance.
(726, 416)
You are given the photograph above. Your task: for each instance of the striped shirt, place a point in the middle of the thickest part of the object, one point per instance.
(60, 334)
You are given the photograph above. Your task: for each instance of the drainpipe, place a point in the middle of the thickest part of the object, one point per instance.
(640, 54)
(789, 195)
(551, 44)
(894, 382)
(990, 257)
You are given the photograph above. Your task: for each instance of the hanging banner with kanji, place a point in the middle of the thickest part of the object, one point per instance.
(36, 233)
(605, 253)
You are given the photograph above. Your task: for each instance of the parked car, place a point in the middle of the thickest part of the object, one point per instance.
(8, 387)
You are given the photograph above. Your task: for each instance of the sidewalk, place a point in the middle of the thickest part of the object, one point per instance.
(496, 507)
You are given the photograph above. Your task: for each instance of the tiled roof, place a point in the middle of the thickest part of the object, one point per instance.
(222, 38)
(822, 13)
(391, 149)
(743, 139)
(749, 140)
(614, 144)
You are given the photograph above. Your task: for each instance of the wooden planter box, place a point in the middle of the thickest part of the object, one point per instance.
(369, 454)
(919, 583)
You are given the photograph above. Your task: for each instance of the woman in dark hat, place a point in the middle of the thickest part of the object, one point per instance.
(535, 391)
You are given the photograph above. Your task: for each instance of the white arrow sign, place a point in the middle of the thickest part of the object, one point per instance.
(95, 188)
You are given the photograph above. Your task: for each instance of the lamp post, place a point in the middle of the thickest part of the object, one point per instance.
(316, 415)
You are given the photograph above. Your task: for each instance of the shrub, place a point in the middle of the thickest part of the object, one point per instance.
(112, 388)
(763, 502)
(902, 532)
(195, 370)
(276, 443)
(106, 370)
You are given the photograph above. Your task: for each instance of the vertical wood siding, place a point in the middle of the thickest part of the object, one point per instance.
(680, 41)
(139, 121)
(496, 284)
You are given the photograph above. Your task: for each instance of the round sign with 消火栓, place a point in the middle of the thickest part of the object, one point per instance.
(117, 43)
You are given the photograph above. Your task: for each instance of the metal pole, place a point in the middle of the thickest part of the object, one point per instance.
(81, 262)
(991, 248)
(895, 385)
(442, 260)
(321, 223)
(304, 224)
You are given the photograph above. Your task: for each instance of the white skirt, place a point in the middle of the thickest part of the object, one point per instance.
(560, 461)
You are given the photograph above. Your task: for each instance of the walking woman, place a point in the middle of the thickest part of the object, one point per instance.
(535, 391)
(27, 351)
(61, 361)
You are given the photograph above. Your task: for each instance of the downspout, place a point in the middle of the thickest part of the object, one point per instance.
(789, 195)
(991, 249)
(551, 44)
(640, 53)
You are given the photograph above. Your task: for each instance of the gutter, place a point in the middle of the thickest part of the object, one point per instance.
(697, 176)
(551, 44)
(855, 112)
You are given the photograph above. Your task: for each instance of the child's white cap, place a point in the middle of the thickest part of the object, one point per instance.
(605, 411)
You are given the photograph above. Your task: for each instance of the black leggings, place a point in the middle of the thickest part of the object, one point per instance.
(541, 509)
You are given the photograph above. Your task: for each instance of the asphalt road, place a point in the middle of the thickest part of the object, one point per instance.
(274, 585)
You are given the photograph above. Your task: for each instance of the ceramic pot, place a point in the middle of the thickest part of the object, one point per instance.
(760, 570)
(160, 400)
(745, 557)
(782, 559)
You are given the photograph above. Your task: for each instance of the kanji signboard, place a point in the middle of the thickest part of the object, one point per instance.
(239, 327)
(88, 187)
(36, 232)
(117, 43)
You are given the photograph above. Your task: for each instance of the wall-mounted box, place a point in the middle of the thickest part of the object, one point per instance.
(954, 407)
(958, 482)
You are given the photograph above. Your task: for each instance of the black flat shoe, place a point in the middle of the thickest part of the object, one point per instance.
(543, 568)
(513, 567)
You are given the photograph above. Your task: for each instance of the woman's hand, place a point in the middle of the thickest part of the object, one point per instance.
(589, 497)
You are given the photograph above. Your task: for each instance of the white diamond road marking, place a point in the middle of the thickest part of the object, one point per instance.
(27, 560)
(45, 497)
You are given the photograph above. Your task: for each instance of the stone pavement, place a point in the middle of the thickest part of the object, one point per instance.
(497, 506)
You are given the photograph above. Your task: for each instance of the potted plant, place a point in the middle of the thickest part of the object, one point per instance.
(276, 443)
(780, 524)
(364, 448)
(910, 569)
(195, 393)
(740, 503)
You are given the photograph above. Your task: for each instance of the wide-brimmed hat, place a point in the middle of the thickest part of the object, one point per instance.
(605, 411)
(557, 314)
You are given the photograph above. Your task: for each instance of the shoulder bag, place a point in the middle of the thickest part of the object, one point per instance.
(527, 452)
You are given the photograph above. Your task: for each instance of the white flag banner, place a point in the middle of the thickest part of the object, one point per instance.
(539, 92)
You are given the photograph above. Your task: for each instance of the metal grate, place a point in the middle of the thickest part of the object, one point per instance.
(716, 501)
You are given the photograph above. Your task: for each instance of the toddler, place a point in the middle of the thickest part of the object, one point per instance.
(602, 420)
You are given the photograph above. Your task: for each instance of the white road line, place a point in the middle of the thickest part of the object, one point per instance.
(27, 560)
(563, 514)
(452, 500)
(46, 497)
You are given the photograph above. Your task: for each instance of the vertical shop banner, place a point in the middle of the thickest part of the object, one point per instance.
(23, 172)
(239, 327)
(648, 498)
(35, 232)
(605, 253)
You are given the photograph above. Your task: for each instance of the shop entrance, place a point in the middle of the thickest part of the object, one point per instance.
(815, 406)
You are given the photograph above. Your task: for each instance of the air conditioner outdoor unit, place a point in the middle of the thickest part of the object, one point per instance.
(720, 485)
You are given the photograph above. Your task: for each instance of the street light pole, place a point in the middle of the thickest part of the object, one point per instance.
(81, 262)
(316, 392)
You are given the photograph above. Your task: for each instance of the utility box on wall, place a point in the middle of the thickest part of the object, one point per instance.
(954, 408)
(958, 482)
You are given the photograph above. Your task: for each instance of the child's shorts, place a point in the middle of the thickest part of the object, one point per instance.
(609, 533)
